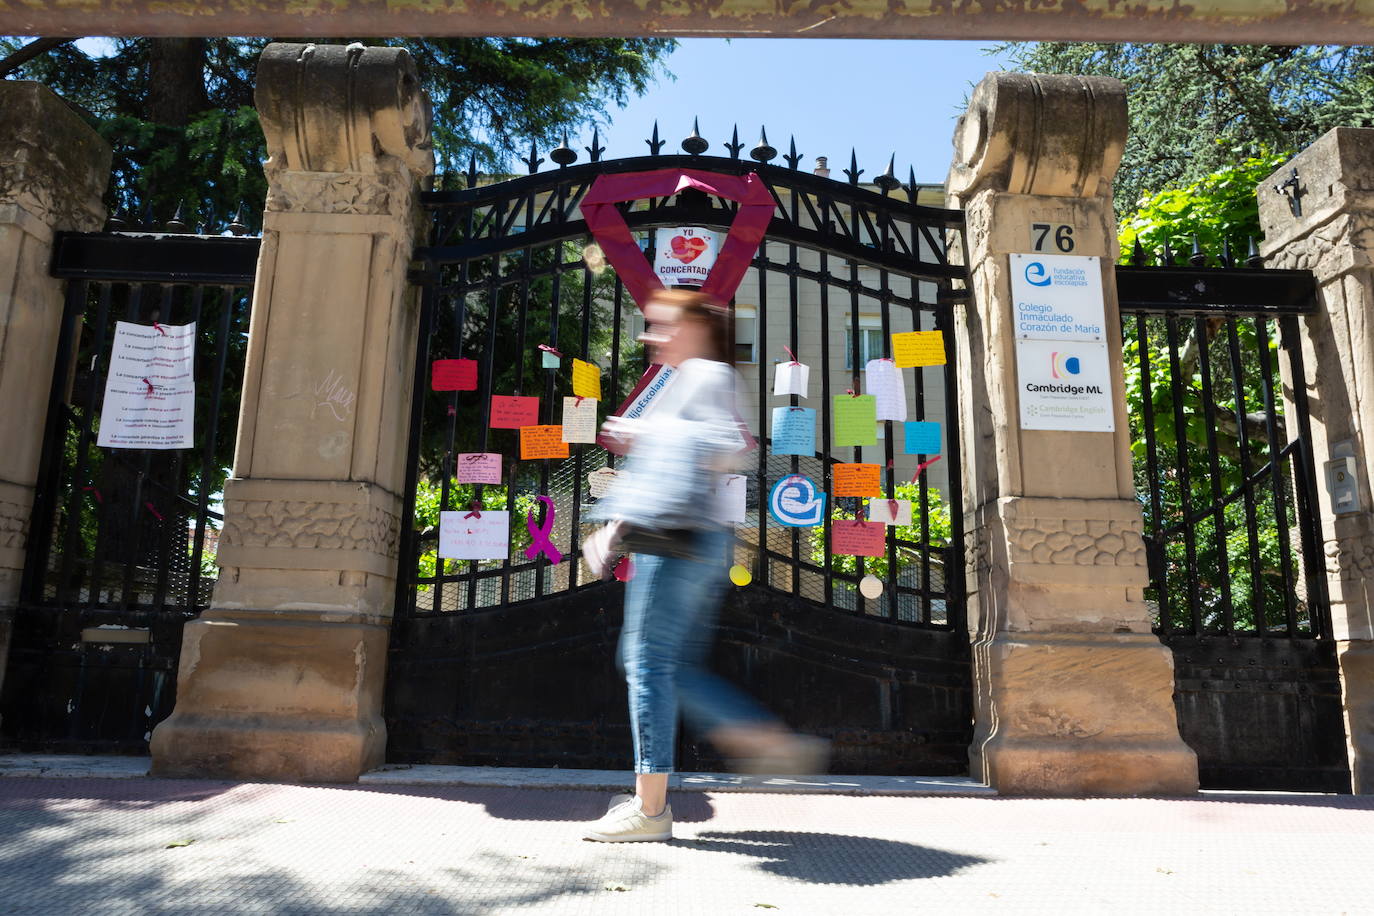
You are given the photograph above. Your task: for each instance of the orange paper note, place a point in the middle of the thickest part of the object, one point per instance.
(542, 442)
(857, 480)
(918, 348)
(586, 379)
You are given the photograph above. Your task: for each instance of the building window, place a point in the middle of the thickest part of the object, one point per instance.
(870, 342)
(746, 335)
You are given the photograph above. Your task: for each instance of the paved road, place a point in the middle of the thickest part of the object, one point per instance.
(141, 845)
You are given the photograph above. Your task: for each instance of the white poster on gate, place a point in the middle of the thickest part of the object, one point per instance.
(1057, 297)
(1064, 385)
(150, 392)
(684, 256)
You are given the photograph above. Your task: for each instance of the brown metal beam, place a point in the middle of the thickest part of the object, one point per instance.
(1232, 21)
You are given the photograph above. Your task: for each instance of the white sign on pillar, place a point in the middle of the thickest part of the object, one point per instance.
(1062, 370)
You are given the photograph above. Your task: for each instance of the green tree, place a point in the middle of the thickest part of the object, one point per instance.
(1195, 109)
(179, 111)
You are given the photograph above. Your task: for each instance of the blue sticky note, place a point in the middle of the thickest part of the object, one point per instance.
(922, 438)
(794, 431)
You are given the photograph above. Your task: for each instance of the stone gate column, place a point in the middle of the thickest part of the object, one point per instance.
(53, 170)
(282, 677)
(1074, 693)
(1324, 222)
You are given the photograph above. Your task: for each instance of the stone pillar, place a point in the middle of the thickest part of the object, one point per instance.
(53, 170)
(1330, 231)
(1073, 692)
(282, 678)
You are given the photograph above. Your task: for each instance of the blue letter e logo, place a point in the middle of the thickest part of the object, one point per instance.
(1035, 274)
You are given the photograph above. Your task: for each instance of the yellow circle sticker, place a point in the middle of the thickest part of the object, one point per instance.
(740, 575)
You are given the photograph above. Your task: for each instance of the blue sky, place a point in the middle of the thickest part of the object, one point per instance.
(881, 97)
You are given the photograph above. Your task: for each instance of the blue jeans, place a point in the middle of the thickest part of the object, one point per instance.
(670, 611)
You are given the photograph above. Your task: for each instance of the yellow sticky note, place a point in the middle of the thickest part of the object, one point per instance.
(586, 379)
(918, 348)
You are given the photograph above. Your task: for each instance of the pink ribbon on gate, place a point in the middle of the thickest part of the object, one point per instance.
(94, 492)
(159, 329)
(475, 510)
(539, 534)
(922, 466)
(153, 509)
(151, 388)
(608, 227)
(792, 356)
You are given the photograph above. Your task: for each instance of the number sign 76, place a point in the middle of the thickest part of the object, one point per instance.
(1040, 236)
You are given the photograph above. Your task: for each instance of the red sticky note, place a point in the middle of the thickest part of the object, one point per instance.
(860, 539)
(453, 375)
(513, 411)
(856, 479)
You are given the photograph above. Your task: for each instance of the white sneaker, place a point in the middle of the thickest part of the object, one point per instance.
(627, 823)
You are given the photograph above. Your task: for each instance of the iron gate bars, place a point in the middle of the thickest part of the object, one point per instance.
(1223, 448)
(505, 270)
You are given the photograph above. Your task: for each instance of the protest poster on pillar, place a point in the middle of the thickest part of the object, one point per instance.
(150, 392)
(684, 256)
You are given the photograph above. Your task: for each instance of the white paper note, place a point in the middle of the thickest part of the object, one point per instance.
(600, 481)
(150, 393)
(730, 499)
(883, 380)
(579, 420)
(462, 537)
(791, 378)
(880, 510)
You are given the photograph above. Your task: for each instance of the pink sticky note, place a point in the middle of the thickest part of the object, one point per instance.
(513, 411)
(479, 467)
(454, 375)
(860, 539)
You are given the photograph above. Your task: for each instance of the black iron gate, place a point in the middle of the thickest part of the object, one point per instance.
(510, 662)
(122, 541)
(1229, 491)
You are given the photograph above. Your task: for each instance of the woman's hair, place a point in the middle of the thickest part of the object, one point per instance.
(698, 306)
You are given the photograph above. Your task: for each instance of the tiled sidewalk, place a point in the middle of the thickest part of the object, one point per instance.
(139, 845)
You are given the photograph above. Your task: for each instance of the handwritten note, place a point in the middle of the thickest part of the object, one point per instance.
(791, 378)
(579, 419)
(150, 393)
(479, 467)
(856, 419)
(465, 536)
(730, 498)
(600, 481)
(513, 411)
(453, 375)
(542, 442)
(881, 510)
(922, 438)
(586, 379)
(918, 348)
(859, 539)
(883, 380)
(794, 431)
(856, 480)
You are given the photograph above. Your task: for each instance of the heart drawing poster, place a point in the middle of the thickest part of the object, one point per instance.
(684, 256)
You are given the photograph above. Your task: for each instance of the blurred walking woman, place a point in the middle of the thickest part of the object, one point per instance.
(661, 511)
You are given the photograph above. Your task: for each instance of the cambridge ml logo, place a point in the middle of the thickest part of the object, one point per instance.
(1062, 365)
(1036, 275)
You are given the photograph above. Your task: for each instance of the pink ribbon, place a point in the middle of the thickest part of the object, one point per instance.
(159, 329)
(476, 511)
(792, 356)
(549, 349)
(94, 492)
(153, 509)
(151, 388)
(608, 226)
(922, 466)
(539, 534)
(892, 508)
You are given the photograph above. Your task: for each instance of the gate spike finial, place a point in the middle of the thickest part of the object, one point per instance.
(887, 182)
(596, 149)
(117, 220)
(792, 156)
(762, 152)
(1168, 254)
(655, 144)
(853, 171)
(695, 144)
(472, 170)
(1197, 258)
(734, 146)
(1227, 258)
(236, 226)
(178, 221)
(913, 190)
(533, 161)
(1252, 255)
(563, 154)
(1137, 254)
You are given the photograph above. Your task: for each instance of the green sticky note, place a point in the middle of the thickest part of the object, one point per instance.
(856, 419)
(551, 360)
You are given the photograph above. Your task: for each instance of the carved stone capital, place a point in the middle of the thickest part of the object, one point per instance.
(347, 128)
(1029, 133)
(53, 166)
(1335, 184)
(1080, 542)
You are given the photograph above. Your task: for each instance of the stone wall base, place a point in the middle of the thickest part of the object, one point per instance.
(266, 698)
(1078, 714)
(1356, 658)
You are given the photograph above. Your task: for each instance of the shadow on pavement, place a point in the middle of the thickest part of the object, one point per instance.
(834, 858)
